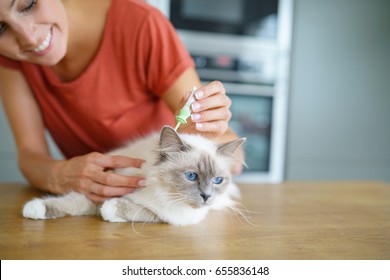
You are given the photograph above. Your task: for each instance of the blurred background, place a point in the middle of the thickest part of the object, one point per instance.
(339, 109)
(309, 80)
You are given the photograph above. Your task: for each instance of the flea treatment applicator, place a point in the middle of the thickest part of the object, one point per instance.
(185, 112)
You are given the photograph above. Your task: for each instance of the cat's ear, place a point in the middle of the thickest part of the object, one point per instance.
(229, 148)
(170, 141)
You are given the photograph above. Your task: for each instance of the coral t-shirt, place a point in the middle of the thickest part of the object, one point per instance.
(118, 97)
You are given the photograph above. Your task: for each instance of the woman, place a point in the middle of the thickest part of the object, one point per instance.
(95, 73)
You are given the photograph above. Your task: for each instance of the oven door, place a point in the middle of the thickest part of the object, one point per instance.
(253, 117)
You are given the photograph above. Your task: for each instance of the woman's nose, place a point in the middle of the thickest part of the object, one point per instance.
(26, 34)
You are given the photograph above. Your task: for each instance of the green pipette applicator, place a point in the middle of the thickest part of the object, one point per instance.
(185, 112)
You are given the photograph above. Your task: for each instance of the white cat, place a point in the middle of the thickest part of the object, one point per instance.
(186, 176)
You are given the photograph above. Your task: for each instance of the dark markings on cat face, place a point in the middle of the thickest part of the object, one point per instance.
(202, 191)
(206, 173)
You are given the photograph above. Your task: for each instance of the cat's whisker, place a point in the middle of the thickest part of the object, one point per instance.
(245, 209)
(167, 202)
(134, 230)
(133, 219)
(157, 200)
(240, 214)
(168, 194)
(166, 198)
(235, 215)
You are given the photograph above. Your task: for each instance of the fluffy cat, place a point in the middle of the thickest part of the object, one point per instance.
(186, 176)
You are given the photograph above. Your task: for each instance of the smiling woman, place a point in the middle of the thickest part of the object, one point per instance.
(28, 29)
(96, 74)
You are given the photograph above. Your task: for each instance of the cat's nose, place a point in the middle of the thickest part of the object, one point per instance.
(205, 196)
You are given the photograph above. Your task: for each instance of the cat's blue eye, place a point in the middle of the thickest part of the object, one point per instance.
(217, 180)
(190, 175)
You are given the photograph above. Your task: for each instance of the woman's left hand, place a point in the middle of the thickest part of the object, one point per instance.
(210, 112)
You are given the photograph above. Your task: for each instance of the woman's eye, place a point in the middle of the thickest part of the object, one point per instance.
(3, 28)
(191, 176)
(217, 180)
(30, 6)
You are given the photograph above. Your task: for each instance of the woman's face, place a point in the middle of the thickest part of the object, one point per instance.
(35, 31)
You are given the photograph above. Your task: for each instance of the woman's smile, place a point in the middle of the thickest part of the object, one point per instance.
(46, 45)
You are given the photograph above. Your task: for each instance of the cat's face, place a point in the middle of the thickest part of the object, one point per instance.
(196, 177)
(195, 170)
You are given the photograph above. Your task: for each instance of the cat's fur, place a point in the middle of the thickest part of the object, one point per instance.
(171, 195)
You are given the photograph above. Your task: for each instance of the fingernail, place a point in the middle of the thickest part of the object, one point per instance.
(141, 183)
(199, 94)
(199, 125)
(195, 106)
(195, 117)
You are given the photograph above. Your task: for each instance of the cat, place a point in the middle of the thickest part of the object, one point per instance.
(186, 176)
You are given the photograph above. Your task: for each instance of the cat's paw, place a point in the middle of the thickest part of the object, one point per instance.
(35, 209)
(109, 211)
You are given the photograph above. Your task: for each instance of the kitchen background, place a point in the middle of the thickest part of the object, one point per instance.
(336, 120)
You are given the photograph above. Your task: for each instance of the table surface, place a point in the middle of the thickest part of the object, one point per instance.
(300, 220)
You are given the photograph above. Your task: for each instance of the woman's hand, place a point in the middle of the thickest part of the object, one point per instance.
(89, 175)
(210, 112)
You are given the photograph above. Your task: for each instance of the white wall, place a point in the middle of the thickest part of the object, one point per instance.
(339, 119)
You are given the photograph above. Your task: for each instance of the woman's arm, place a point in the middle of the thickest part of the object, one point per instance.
(85, 174)
(27, 126)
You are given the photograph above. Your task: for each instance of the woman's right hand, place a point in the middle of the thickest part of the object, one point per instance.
(89, 175)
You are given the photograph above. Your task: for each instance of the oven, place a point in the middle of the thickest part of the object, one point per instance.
(245, 45)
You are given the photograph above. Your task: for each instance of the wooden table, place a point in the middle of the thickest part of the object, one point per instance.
(349, 220)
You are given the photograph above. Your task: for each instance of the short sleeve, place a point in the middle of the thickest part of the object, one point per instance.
(165, 57)
(9, 63)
